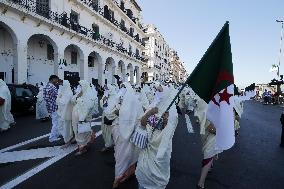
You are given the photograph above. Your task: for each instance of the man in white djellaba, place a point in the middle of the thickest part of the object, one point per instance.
(153, 167)
(125, 113)
(84, 103)
(6, 118)
(64, 111)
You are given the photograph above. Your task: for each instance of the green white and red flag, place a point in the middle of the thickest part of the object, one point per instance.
(213, 81)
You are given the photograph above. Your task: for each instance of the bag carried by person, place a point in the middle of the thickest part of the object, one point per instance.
(84, 127)
(107, 121)
(139, 137)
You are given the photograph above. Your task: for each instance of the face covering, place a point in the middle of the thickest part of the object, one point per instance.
(158, 95)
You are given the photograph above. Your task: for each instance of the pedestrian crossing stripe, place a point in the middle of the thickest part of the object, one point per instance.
(54, 154)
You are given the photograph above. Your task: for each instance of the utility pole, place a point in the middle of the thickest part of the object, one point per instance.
(280, 52)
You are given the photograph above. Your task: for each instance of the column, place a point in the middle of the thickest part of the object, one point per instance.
(84, 67)
(59, 58)
(20, 62)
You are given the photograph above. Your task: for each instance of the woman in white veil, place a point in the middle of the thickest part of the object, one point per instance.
(6, 118)
(41, 111)
(109, 95)
(125, 111)
(65, 111)
(84, 103)
(153, 167)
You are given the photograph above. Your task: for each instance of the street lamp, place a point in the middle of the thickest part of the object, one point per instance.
(281, 39)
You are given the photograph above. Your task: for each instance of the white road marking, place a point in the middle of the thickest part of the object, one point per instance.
(23, 143)
(18, 180)
(188, 124)
(31, 154)
(94, 123)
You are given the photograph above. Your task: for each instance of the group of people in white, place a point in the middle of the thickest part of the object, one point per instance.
(137, 121)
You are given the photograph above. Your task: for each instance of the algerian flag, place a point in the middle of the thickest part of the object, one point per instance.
(274, 68)
(213, 81)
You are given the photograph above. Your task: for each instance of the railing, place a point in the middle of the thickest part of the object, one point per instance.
(107, 16)
(127, 12)
(64, 20)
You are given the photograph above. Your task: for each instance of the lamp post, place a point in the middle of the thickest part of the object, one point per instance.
(280, 52)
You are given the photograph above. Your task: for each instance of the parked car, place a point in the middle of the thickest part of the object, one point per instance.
(23, 97)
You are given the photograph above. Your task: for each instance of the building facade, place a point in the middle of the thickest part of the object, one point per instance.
(157, 52)
(178, 72)
(86, 39)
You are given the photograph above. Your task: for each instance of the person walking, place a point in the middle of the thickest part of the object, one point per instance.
(50, 93)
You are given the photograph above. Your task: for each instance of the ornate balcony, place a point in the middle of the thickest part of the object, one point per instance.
(65, 21)
(107, 16)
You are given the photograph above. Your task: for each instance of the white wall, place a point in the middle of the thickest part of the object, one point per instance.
(6, 54)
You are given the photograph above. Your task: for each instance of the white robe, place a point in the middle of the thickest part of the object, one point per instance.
(41, 111)
(6, 118)
(153, 168)
(106, 129)
(82, 111)
(126, 154)
(65, 112)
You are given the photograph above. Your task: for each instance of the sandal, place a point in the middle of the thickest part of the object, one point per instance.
(93, 137)
(81, 151)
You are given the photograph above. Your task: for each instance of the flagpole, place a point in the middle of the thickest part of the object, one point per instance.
(195, 70)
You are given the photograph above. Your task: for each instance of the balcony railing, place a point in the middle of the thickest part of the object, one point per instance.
(107, 16)
(65, 21)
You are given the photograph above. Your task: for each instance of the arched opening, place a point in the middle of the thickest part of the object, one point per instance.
(109, 71)
(73, 63)
(136, 73)
(95, 67)
(130, 73)
(121, 70)
(41, 56)
(145, 77)
(7, 53)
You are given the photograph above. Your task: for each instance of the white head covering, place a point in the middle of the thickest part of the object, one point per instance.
(85, 103)
(168, 131)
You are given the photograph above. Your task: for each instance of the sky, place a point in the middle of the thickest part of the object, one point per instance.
(189, 26)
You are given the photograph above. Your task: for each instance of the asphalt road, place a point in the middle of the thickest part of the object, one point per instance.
(255, 162)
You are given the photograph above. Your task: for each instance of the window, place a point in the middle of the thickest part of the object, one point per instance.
(130, 50)
(122, 24)
(106, 12)
(111, 14)
(50, 52)
(42, 7)
(73, 57)
(122, 5)
(91, 61)
(22, 92)
(131, 30)
(74, 17)
(96, 28)
(95, 5)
